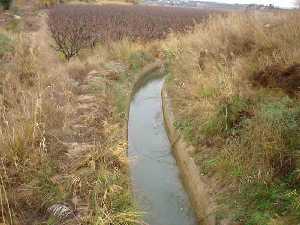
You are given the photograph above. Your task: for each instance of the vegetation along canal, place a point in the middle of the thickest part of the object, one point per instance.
(157, 186)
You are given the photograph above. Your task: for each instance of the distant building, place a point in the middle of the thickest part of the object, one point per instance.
(208, 5)
(260, 7)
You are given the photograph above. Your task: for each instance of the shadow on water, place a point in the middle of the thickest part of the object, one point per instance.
(157, 187)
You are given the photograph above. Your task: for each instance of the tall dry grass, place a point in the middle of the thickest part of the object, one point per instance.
(32, 105)
(235, 88)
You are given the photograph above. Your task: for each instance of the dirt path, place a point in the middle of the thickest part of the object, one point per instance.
(79, 132)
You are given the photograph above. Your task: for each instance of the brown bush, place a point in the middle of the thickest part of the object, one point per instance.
(277, 76)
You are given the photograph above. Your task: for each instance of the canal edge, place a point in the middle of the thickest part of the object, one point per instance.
(198, 190)
(140, 77)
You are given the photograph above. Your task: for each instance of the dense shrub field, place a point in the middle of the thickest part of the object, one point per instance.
(77, 26)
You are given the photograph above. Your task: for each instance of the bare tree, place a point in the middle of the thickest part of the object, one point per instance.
(71, 30)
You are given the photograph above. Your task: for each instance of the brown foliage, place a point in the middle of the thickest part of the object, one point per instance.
(76, 26)
(277, 76)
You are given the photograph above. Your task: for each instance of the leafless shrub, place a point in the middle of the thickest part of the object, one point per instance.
(71, 30)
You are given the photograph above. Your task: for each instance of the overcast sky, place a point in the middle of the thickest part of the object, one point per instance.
(280, 3)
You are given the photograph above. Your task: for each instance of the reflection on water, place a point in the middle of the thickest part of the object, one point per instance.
(157, 187)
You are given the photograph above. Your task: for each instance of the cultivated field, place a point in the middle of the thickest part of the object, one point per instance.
(76, 26)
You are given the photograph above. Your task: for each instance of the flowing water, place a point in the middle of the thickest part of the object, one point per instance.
(157, 186)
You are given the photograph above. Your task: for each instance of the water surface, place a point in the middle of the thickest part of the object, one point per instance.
(157, 187)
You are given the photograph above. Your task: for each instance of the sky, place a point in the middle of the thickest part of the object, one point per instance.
(280, 3)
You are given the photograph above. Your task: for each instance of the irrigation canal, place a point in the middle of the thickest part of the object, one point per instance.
(158, 189)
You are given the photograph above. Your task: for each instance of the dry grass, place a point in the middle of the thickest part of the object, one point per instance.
(28, 101)
(235, 86)
(62, 132)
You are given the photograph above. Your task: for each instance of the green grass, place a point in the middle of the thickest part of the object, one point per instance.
(187, 128)
(121, 102)
(228, 118)
(138, 59)
(49, 191)
(6, 45)
(14, 25)
(257, 203)
(265, 202)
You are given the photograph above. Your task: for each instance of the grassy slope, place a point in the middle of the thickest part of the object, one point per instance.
(235, 86)
(40, 127)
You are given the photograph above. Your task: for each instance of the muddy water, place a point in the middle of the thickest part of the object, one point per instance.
(158, 189)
